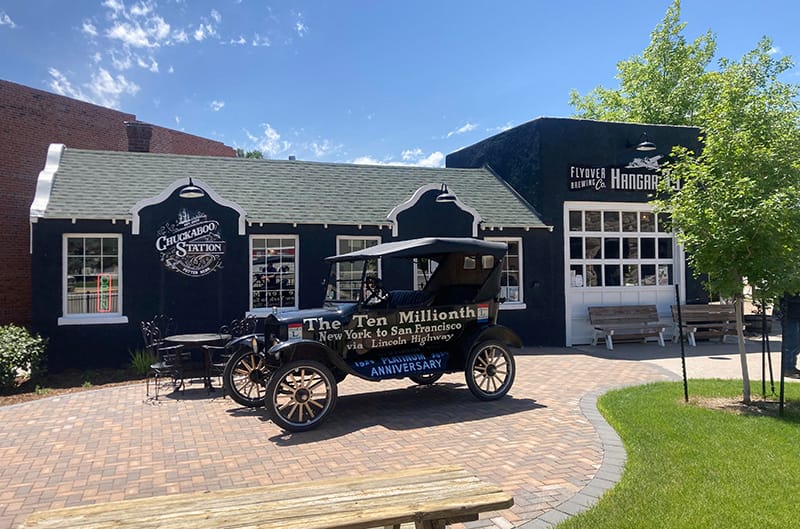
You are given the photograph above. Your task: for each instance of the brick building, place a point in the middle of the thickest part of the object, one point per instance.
(30, 120)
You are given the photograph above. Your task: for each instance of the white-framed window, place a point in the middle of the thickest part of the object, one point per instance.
(273, 272)
(618, 246)
(511, 281)
(92, 279)
(348, 275)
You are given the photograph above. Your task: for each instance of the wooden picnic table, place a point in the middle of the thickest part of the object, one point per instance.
(429, 497)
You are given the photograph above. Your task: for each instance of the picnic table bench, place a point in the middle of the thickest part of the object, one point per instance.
(429, 498)
(705, 321)
(626, 322)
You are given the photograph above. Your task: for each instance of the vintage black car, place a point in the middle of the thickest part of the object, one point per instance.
(365, 330)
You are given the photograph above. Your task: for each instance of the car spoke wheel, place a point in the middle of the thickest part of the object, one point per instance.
(425, 379)
(490, 370)
(300, 395)
(245, 378)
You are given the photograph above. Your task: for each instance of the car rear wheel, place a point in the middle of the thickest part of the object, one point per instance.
(300, 395)
(245, 378)
(426, 379)
(490, 370)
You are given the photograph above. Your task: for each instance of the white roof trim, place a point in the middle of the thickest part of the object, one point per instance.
(161, 197)
(411, 202)
(44, 184)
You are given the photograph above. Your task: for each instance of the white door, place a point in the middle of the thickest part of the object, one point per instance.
(617, 253)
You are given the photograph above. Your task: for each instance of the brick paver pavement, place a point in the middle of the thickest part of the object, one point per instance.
(112, 444)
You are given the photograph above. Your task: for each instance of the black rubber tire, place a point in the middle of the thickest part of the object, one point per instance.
(426, 379)
(300, 395)
(245, 378)
(490, 370)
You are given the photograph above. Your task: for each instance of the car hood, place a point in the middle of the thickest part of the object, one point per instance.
(333, 312)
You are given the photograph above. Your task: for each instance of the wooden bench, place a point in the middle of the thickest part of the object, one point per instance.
(626, 322)
(705, 321)
(429, 498)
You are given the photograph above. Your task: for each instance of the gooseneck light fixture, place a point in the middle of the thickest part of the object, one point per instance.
(445, 196)
(644, 144)
(191, 191)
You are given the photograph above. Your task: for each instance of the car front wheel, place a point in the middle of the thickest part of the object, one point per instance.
(245, 378)
(300, 395)
(490, 370)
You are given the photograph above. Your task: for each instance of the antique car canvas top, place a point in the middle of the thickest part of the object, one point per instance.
(448, 324)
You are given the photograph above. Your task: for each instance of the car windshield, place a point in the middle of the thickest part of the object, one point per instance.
(345, 278)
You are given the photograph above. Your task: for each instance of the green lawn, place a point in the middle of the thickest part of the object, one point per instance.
(691, 467)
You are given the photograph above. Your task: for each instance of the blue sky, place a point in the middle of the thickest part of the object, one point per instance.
(402, 82)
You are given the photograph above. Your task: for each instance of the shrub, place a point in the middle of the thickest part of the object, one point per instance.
(21, 354)
(141, 360)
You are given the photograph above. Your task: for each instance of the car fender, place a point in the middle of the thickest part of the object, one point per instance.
(246, 340)
(302, 349)
(491, 332)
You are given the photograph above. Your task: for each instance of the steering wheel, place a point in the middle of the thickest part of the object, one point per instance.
(375, 294)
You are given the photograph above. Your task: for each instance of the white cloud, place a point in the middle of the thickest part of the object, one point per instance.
(258, 40)
(104, 89)
(141, 9)
(301, 28)
(121, 60)
(500, 128)
(216, 106)
(97, 57)
(321, 148)
(203, 32)
(216, 16)
(171, 70)
(413, 157)
(240, 41)
(114, 5)
(133, 34)
(89, 28)
(152, 66)
(180, 36)
(269, 143)
(410, 154)
(461, 130)
(177, 120)
(5, 20)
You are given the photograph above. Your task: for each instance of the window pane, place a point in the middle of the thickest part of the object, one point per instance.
(611, 221)
(648, 274)
(648, 248)
(576, 275)
(612, 276)
(92, 245)
(576, 248)
(593, 275)
(611, 248)
(665, 275)
(92, 275)
(575, 221)
(592, 221)
(630, 221)
(630, 248)
(631, 273)
(664, 223)
(664, 248)
(273, 272)
(647, 221)
(593, 247)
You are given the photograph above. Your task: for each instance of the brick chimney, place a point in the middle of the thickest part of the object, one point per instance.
(139, 135)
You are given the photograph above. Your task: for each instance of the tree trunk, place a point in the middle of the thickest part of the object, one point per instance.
(739, 306)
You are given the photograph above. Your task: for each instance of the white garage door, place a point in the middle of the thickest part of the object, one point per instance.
(617, 254)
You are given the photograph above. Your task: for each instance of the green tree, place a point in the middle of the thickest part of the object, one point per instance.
(737, 212)
(241, 153)
(662, 85)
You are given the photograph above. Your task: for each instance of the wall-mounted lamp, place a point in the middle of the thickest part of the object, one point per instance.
(445, 195)
(191, 191)
(644, 144)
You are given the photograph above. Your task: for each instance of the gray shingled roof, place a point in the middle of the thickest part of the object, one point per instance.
(106, 185)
